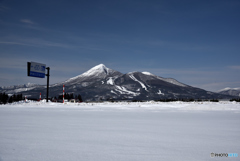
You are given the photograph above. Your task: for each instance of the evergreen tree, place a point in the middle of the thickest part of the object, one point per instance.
(4, 98)
(10, 99)
(60, 97)
(1, 95)
(19, 97)
(80, 98)
(13, 99)
(71, 96)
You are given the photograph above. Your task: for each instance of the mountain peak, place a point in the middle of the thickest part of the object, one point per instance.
(98, 72)
(101, 68)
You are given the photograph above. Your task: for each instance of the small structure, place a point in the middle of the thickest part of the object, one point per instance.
(74, 101)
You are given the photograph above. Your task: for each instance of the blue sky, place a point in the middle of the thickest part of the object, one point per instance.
(196, 42)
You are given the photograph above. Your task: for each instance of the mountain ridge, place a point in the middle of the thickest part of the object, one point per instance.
(102, 83)
(230, 91)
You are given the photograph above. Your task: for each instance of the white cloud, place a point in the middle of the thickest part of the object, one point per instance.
(27, 21)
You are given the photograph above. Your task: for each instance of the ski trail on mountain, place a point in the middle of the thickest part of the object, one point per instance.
(135, 79)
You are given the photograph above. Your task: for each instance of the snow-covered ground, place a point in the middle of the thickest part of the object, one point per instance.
(124, 131)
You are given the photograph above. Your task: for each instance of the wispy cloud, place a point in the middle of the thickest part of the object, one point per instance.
(13, 63)
(27, 21)
(181, 45)
(13, 43)
(236, 67)
(35, 42)
(3, 8)
(78, 43)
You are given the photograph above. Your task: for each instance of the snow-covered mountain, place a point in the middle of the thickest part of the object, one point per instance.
(230, 91)
(102, 83)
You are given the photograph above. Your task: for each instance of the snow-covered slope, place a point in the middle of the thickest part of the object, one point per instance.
(99, 71)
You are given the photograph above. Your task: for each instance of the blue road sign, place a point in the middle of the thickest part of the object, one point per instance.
(36, 70)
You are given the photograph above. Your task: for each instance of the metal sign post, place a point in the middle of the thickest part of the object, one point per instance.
(38, 70)
(47, 81)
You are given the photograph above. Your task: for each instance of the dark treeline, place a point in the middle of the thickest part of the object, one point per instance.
(172, 100)
(187, 100)
(235, 99)
(4, 98)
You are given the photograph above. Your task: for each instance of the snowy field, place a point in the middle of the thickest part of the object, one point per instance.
(146, 131)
